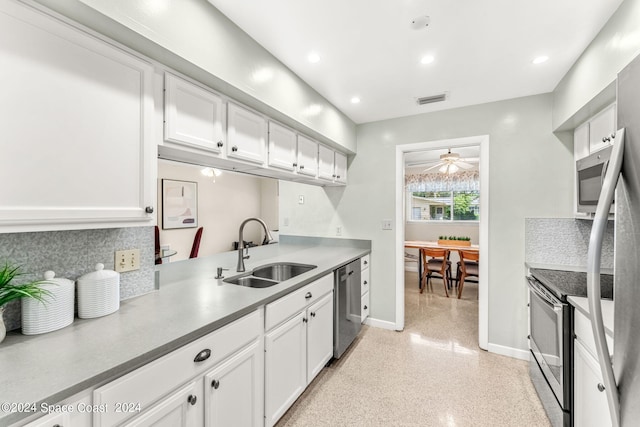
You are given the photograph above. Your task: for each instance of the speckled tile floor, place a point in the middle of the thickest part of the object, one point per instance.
(431, 374)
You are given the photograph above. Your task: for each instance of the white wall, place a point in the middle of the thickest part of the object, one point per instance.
(196, 39)
(531, 175)
(594, 73)
(222, 206)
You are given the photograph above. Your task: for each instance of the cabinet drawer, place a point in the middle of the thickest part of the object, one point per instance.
(364, 262)
(364, 281)
(584, 333)
(290, 304)
(365, 306)
(154, 380)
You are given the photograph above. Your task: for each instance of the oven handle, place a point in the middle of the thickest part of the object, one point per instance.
(557, 305)
(593, 275)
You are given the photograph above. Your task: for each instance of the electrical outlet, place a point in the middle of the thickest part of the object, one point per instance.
(127, 260)
(301, 200)
(386, 224)
(338, 231)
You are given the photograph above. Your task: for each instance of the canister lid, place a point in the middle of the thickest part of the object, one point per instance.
(51, 281)
(99, 274)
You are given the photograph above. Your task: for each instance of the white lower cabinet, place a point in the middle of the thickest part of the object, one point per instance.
(297, 349)
(234, 390)
(181, 408)
(589, 399)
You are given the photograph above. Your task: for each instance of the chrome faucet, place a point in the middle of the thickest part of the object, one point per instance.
(241, 248)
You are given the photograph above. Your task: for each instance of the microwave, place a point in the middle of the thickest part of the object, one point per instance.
(589, 178)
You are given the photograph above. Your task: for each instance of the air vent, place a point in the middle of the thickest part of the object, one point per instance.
(431, 99)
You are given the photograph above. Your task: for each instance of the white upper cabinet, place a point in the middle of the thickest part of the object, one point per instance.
(246, 132)
(77, 144)
(307, 156)
(341, 167)
(282, 147)
(325, 163)
(601, 128)
(193, 115)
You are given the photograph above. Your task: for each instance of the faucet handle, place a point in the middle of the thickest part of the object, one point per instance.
(219, 271)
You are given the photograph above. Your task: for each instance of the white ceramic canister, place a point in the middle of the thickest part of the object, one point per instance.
(98, 293)
(54, 312)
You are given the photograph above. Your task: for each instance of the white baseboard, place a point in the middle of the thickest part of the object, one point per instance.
(383, 324)
(509, 351)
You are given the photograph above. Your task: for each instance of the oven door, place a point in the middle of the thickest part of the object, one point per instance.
(547, 316)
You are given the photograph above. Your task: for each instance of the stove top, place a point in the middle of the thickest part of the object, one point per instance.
(571, 283)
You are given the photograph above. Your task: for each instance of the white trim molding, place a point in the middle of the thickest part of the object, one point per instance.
(383, 324)
(509, 351)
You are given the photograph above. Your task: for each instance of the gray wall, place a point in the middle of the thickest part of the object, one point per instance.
(594, 73)
(70, 254)
(194, 38)
(531, 174)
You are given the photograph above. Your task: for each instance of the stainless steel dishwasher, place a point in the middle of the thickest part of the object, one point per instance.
(347, 307)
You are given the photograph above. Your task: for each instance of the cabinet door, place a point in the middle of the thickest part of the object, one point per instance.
(77, 136)
(282, 147)
(193, 115)
(590, 404)
(182, 408)
(581, 141)
(326, 163)
(341, 167)
(246, 132)
(319, 335)
(307, 156)
(285, 366)
(234, 393)
(602, 125)
(366, 302)
(51, 420)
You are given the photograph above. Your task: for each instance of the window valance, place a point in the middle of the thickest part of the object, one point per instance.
(461, 181)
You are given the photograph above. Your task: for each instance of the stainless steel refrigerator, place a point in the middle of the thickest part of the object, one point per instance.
(622, 374)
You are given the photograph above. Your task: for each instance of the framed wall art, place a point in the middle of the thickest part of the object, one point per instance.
(179, 204)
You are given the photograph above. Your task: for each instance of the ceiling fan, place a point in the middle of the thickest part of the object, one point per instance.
(452, 162)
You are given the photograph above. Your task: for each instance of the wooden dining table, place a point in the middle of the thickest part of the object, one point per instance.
(418, 244)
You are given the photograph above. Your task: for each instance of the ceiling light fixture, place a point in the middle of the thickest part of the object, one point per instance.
(421, 22)
(540, 59)
(355, 100)
(427, 59)
(313, 57)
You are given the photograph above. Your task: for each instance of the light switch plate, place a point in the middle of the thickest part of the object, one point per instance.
(127, 260)
(386, 224)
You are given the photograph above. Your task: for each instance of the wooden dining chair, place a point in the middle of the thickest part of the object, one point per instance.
(468, 266)
(435, 261)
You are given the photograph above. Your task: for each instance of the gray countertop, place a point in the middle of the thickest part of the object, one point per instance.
(571, 283)
(188, 304)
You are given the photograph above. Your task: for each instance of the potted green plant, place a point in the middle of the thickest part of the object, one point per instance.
(10, 291)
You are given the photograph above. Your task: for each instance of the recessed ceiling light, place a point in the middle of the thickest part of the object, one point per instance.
(427, 59)
(355, 100)
(540, 59)
(313, 57)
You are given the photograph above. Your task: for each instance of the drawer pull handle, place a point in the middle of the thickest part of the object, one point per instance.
(308, 295)
(215, 384)
(600, 387)
(192, 399)
(202, 356)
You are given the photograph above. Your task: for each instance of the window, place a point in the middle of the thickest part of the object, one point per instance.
(445, 205)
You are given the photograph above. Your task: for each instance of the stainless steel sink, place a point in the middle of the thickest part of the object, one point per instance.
(281, 271)
(251, 282)
(270, 274)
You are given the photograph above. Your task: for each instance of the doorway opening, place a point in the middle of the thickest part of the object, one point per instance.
(442, 209)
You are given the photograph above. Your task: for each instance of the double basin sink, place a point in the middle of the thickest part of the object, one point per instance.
(270, 274)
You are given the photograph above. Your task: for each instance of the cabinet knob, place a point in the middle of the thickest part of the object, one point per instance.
(338, 176)
(301, 166)
(365, 282)
(334, 175)
(313, 314)
(234, 148)
(366, 262)
(215, 384)
(203, 355)
(600, 387)
(304, 320)
(365, 307)
(57, 425)
(192, 399)
(219, 144)
(308, 295)
(613, 135)
(148, 209)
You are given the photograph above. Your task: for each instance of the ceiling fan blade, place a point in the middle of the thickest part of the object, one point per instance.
(470, 159)
(437, 165)
(464, 165)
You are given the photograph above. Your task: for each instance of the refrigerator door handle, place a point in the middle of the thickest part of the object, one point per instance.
(593, 275)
